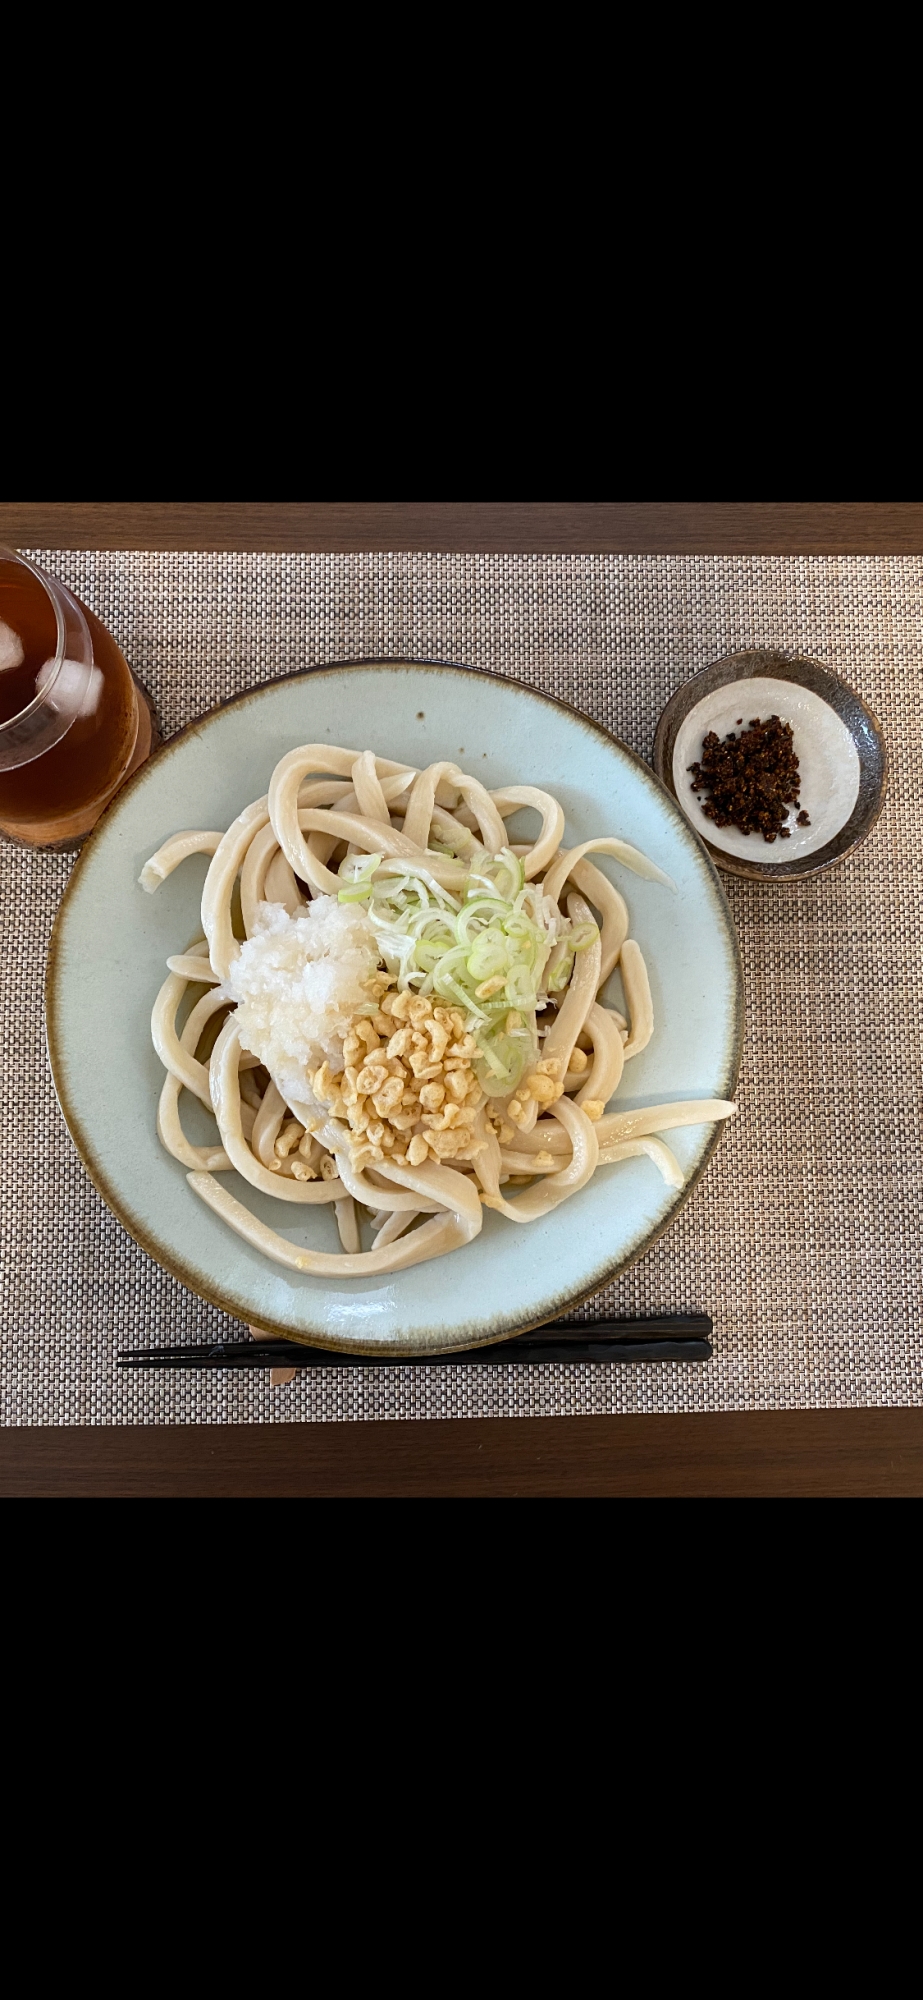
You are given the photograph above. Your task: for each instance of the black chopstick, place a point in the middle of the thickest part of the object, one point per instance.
(681, 1337)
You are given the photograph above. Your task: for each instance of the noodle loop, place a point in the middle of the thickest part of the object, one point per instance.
(402, 1043)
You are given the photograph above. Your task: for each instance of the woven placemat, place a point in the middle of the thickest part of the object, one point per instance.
(804, 1238)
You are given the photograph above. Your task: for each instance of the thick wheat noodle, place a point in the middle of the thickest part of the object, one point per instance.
(576, 1079)
(172, 1137)
(315, 793)
(179, 1060)
(384, 1192)
(418, 811)
(348, 1224)
(477, 800)
(394, 1225)
(291, 775)
(555, 1188)
(372, 837)
(526, 1163)
(266, 876)
(226, 1093)
(376, 838)
(487, 1164)
(169, 1125)
(219, 883)
(337, 792)
(249, 1094)
(580, 996)
(398, 866)
(434, 1187)
(199, 951)
(419, 814)
(253, 874)
(195, 970)
(281, 886)
(513, 1162)
(359, 1186)
(176, 849)
(177, 1052)
(370, 798)
(637, 998)
(460, 1220)
(268, 1124)
(613, 909)
(614, 1126)
(605, 1073)
(326, 792)
(655, 1149)
(512, 799)
(617, 1125)
(324, 758)
(322, 845)
(465, 818)
(630, 857)
(450, 829)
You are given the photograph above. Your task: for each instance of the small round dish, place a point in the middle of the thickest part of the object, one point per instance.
(838, 742)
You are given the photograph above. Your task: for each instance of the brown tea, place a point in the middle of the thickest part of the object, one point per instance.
(61, 791)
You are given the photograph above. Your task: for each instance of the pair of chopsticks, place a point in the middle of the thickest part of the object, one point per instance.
(682, 1337)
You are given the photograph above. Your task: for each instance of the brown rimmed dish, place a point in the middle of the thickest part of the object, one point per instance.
(856, 716)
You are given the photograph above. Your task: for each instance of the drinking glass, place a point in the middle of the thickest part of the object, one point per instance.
(74, 722)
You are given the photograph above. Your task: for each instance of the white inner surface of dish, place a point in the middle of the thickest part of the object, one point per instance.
(827, 755)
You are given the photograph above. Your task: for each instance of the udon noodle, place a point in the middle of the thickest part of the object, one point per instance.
(409, 1011)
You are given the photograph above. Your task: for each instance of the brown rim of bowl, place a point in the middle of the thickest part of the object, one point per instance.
(864, 728)
(110, 1194)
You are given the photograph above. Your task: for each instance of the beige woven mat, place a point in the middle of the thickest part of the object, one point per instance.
(803, 1240)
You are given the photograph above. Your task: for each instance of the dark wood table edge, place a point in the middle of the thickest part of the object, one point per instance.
(796, 1454)
(528, 527)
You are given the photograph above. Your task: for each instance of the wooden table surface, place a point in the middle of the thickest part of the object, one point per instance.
(792, 1452)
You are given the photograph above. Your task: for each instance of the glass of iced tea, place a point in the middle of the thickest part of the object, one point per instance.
(74, 722)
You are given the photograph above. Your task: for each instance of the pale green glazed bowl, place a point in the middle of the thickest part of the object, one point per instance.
(107, 963)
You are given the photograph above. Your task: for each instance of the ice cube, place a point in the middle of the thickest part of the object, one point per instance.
(11, 652)
(75, 690)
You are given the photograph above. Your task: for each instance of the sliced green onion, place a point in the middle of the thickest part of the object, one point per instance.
(505, 929)
(359, 877)
(520, 989)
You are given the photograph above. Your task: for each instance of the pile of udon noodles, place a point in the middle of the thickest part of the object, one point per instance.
(552, 1131)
